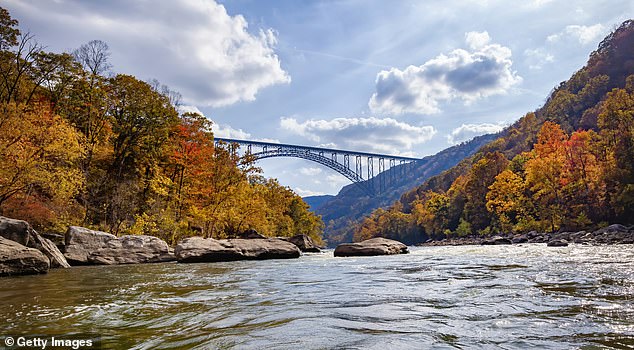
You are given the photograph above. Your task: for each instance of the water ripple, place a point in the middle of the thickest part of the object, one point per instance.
(509, 297)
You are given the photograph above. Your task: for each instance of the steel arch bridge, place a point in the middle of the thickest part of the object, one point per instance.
(335, 159)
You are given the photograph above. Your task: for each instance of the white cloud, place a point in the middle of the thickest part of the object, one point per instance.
(310, 171)
(371, 134)
(461, 74)
(477, 40)
(193, 46)
(307, 193)
(537, 58)
(583, 34)
(225, 130)
(539, 3)
(466, 132)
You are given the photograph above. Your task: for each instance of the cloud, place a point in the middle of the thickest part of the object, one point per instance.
(477, 40)
(307, 193)
(310, 171)
(466, 132)
(193, 46)
(371, 134)
(461, 74)
(219, 130)
(583, 34)
(537, 58)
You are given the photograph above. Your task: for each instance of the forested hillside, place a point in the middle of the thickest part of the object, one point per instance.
(80, 145)
(567, 166)
(351, 204)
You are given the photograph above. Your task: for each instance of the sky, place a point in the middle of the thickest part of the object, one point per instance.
(396, 77)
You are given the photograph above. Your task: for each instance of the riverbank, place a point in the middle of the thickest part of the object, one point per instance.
(613, 234)
(23, 251)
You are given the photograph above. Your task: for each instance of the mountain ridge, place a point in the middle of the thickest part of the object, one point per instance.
(342, 211)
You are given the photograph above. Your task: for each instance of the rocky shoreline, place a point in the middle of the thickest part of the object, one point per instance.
(613, 234)
(23, 251)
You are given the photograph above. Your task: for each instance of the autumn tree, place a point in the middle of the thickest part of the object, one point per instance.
(616, 122)
(38, 164)
(481, 176)
(506, 200)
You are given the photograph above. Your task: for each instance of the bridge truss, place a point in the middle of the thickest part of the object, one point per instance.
(340, 161)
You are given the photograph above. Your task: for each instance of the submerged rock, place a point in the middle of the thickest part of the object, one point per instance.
(88, 247)
(21, 232)
(304, 243)
(198, 249)
(371, 247)
(17, 259)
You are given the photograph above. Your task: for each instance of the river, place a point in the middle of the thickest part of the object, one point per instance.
(506, 297)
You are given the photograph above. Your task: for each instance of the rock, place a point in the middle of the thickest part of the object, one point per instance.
(533, 234)
(81, 242)
(611, 229)
(539, 238)
(613, 234)
(519, 239)
(251, 234)
(497, 240)
(198, 249)
(15, 230)
(557, 243)
(58, 240)
(304, 243)
(21, 232)
(371, 247)
(136, 249)
(17, 259)
(88, 247)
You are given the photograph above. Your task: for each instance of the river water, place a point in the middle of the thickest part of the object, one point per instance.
(506, 297)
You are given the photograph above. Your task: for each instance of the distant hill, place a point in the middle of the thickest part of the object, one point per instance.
(315, 202)
(341, 212)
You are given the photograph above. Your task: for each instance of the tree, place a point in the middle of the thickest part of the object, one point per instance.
(581, 179)
(543, 173)
(481, 176)
(9, 32)
(616, 123)
(506, 199)
(38, 155)
(93, 56)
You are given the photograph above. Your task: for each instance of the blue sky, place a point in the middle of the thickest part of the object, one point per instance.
(400, 77)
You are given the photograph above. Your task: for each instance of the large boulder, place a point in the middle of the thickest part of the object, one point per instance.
(17, 259)
(21, 232)
(198, 249)
(371, 247)
(88, 247)
(304, 243)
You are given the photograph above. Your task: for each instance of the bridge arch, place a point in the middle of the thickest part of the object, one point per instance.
(335, 159)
